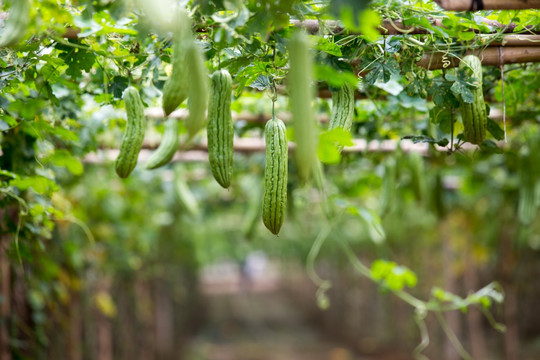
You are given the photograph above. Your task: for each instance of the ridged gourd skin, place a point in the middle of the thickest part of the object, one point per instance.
(175, 88)
(474, 115)
(16, 24)
(342, 108)
(275, 175)
(220, 129)
(197, 76)
(133, 134)
(168, 146)
(301, 93)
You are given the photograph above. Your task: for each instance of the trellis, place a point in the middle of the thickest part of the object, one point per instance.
(198, 151)
(513, 47)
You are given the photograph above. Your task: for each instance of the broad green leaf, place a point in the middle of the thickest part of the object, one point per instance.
(323, 44)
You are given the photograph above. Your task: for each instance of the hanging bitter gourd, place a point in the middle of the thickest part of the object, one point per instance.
(301, 98)
(16, 24)
(175, 88)
(275, 175)
(220, 130)
(342, 108)
(133, 134)
(474, 114)
(198, 89)
(168, 146)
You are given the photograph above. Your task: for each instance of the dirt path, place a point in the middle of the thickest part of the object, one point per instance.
(261, 326)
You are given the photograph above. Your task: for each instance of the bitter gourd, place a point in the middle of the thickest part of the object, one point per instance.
(168, 146)
(198, 89)
(275, 175)
(175, 88)
(220, 130)
(474, 115)
(342, 108)
(133, 135)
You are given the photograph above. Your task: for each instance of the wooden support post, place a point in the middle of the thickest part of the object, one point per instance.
(5, 289)
(5, 301)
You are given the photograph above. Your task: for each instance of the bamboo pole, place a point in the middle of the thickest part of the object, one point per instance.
(397, 27)
(517, 40)
(198, 153)
(494, 56)
(387, 27)
(473, 5)
(157, 113)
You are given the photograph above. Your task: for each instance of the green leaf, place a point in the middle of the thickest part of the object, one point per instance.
(383, 71)
(466, 35)
(323, 44)
(490, 147)
(64, 159)
(330, 144)
(39, 184)
(495, 130)
(333, 76)
(461, 90)
(350, 11)
(392, 44)
(462, 85)
(261, 83)
(117, 86)
(77, 60)
(395, 276)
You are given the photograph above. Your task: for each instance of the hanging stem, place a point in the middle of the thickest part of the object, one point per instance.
(502, 90)
(453, 338)
(452, 116)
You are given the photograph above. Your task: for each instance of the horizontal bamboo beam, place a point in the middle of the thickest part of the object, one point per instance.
(157, 113)
(397, 27)
(473, 5)
(388, 27)
(494, 56)
(199, 151)
(517, 40)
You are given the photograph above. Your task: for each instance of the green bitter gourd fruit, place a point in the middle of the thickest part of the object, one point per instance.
(342, 108)
(474, 115)
(220, 130)
(168, 146)
(175, 88)
(133, 134)
(198, 89)
(275, 175)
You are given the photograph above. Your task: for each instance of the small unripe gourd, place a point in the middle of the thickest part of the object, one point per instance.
(168, 146)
